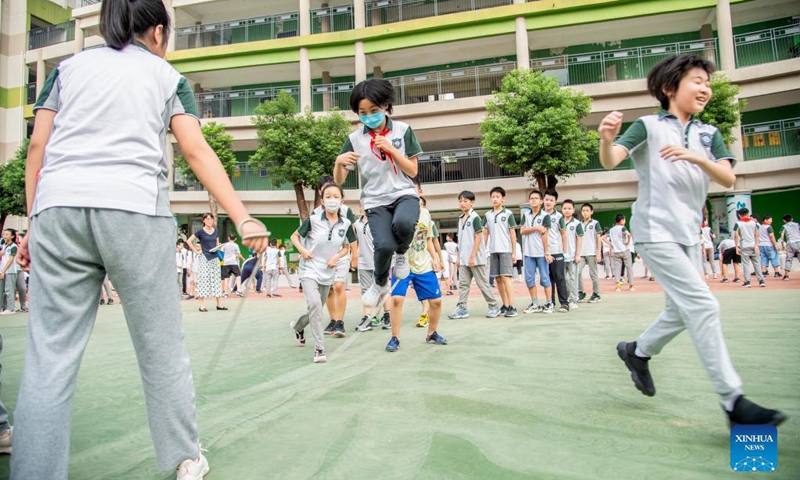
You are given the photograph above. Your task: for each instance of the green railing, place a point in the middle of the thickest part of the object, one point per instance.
(380, 12)
(450, 84)
(240, 103)
(282, 25)
(51, 35)
(765, 46)
(325, 98)
(622, 64)
(460, 165)
(332, 19)
(247, 178)
(780, 138)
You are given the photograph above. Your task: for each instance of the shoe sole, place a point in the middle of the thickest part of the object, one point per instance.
(339, 334)
(512, 315)
(320, 359)
(364, 329)
(776, 420)
(594, 301)
(622, 352)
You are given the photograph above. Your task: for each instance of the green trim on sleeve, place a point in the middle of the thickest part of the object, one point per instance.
(305, 227)
(477, 224)
(769, 229)
(561, 225)
(350, 216)
(186, 97)
(351, 235)
(546, 222)
(512, 221)
(347, 147)
(48, 97)
(434, 229)
(413, 148)
(719, 150)
(579, 230)
(598, 228)
(634, 136)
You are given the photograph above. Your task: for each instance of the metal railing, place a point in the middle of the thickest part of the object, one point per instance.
(765, 46)
(268, 27)
(51, 35)
(325, 98)
(86, 3)
(450, 84)
(30, 93)
(381, 12)
(248, 178)
(332, 19)
(621, 64)
(240, 103)
(458, 166)
(780, 138)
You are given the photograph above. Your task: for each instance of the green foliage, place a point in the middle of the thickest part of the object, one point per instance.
(297, 148)
(220, 142)
(723, 110)
(12, 184)
(533, 126)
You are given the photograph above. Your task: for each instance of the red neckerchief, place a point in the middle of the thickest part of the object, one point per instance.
(381, 154)
(745, 219)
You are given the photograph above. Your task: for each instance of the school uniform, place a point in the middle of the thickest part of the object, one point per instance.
(388, 195)
(790, 232)
(667, 211)
(283, 262)
(589, 249)
(574, 230)
(103, 193)
(749, 246)
(708, 250)
(533, 249)
(727, 252)
(324, 241)
(342, 270)
(271, 270)
(620, 253)
(468, 225)
(499, 223)
(230, 261)
(769, 254)
(555, 243)
(10, 280)
(366, 257)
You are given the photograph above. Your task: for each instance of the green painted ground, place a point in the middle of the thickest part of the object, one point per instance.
(539, 397)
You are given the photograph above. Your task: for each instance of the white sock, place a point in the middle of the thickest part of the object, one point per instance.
(639, 353)
(535, 301)
(729, 400)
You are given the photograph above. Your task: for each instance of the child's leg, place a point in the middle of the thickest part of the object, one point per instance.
(544, 278)
(380, 222)
(561, 281)
(315, 296)
(365, 280)
(792, 250)
(706, 262)
(746, 265)
(22, 290)
(591, 260)
(690, 305)
(396, 314)
(626, 261)
(10, 285)
(404, 222)
(529, 268)
(482, 281)
(765, 255)
(464, 280)
(434, 314)
(757, 265)
(571, 279)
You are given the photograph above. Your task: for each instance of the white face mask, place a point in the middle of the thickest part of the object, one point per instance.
(332, 205)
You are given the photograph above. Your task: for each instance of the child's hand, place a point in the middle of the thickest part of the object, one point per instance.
(259, 243)
(610, 126)
(513, 258)
(23, 257)
(471, 261)
(347, 159)
(384, 144)
(354, 263)
(306, 255)
(674, 153)
(599, 258)
(549, 258)
(333, 262)
(577, 260)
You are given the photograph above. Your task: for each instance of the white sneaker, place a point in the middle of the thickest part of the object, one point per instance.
(373, 296)
(401, 266)
(573, 305)
(5, 441)
(193, 469)
(7, 312)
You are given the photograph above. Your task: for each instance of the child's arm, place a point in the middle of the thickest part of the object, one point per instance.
(578, 245)
(513, 232)
(772, 238)
(564, 239)
(721, 171)
(486, 235)
(611, 155)
(298, 244)
(475, 246)
(437, 265)
(736, 239)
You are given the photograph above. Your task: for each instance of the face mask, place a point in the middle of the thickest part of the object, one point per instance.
(332, 205)
(372, 121)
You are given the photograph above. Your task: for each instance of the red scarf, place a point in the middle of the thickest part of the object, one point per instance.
(745, 219)
(381, 154)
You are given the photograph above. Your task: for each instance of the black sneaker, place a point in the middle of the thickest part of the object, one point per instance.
(761, 284)
(338, 329)
(110, 301)
(300, 338)
(777, 275)
(563, 308)
(737, 280)
(503, 310)
(786, 278)
(102, 302)
(746, 412)
(331, 326)
(746, 285)
(365, 325)
(594, 298)
(724, 280)
(640, 372)
(386, 320)
(511, 311)
(582, 296)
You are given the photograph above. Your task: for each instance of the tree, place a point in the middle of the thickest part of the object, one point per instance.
(533, 126)
(222, 144)
(12, 184)
(297, 148)
(723, 111)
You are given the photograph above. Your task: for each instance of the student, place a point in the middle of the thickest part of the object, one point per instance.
(270, 264)
(708, 249)
(557, 244)
(590, 253)
(769, 247)
(501, 239)
(230, 266)
(790, 236)
(534, 226)
(745, 234)
(473, 258)
(178, 264)
(96, 180)
(185, 268)
(283, 265)
(385, 152)
(574, 229)
(518, 263)
(323, 239)
(9, 270)
(606, 250)
(619, 239)
(727, 254)
(675, 157)
(424, 317)
(364, 263)
(424, 263)
(451, 251)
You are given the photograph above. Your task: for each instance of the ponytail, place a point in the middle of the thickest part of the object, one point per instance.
(122, 20)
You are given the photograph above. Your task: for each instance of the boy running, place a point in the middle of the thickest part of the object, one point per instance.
(501, 239)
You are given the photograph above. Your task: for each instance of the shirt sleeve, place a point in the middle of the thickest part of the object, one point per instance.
(183, 102)
(546, 222)
(579, 230)
(49, 97)
(512, 221)
(351, 216)
(351, 235)
(434, 229)
(347, 147)
(770, 230)
(719, 151)
(477, 225)
(305, 227)
(413, 148)
(736, 226)
(624, 230)
(598, 228)
(197, 234)
(634, 136)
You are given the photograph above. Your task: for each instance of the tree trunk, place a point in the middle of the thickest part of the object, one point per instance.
(552, 181)
(541, 182)
(3, 217)
(302, 207)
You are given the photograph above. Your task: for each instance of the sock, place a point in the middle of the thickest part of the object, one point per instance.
(728, 401)
(535, 301)
(639, 353)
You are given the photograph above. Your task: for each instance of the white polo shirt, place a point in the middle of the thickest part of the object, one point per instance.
(554, 240)
(574, 230)
(468, 225)
(617, 237)
(591, 230)
(108, 144)
(366, 247)
(791, 231)
(499, 225)
(324, 241)
(532, 243)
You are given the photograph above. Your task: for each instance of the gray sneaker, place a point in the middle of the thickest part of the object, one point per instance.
(493, 312)
(548, 308)
(459, 312)
(533, 308)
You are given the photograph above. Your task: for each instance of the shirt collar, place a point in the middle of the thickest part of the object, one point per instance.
(388, 125)
(468, 213)
(665, 114)
(323, 217)
(141, 45)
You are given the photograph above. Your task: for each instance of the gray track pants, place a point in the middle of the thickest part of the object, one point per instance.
(690, 306)
(481, 276)
(591, 261)
(71, 251)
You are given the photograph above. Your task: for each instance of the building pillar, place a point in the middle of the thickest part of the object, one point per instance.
(523, 52)
(41, 73)
(171, 46)
(727, 52)
(325, 22)
(361, 62)
(734, 201)
(305, 80)
(327, 97)
(377, 72)
(737, 148)
(305, 17)
(80, 35)
(359, 14)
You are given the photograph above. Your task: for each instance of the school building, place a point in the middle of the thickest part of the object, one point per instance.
(445, 57)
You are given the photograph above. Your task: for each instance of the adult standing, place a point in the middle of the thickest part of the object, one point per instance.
(208, 283)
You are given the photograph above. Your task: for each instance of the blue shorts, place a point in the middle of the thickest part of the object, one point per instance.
(533, 263)
(425, 284)
(769, 255)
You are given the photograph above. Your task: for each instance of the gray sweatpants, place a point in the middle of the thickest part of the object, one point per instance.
(71, 251)
(690, 306)
(618, 259)
(792, 250)
(9, 295)
(481, 276)
(591, 261)
(751, 262)
(3, 411)
(316, 296)
(571, 276)
(271, 281)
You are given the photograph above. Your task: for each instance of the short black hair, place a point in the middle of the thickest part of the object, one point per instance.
(273, 242)
(587, 205)
(755, 217)
(537, 193)
(500, 190)
(568, 201)
(551, 192)
(620, 217)
(377, 90)
(179, 243)
(467, 194)
(767, 217)
(324, 181)
(424, 202)
(232, 236)
(743, 211)
(787, 218)
(668, 73)
(328, 185)
(122, 20)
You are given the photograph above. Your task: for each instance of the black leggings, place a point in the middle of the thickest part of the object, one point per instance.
(392, 228)
(558, 280)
